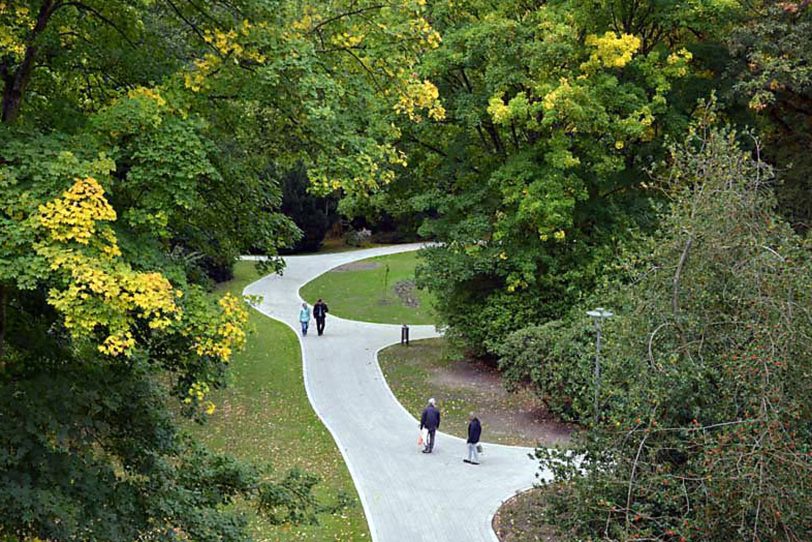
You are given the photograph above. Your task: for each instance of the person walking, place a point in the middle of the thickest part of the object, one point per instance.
(474, 432)
(304, 318)
(320, 311)
(430, 419)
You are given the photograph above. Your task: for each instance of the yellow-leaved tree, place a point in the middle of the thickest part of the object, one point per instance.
(106, 303)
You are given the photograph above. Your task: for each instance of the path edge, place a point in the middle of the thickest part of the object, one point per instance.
(492, 515)
(373, 532)
(361, 493)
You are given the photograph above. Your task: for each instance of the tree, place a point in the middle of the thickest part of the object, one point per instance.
(536, 174)
(704, 431)
(773, 52)
(314, 215)
(135, 142)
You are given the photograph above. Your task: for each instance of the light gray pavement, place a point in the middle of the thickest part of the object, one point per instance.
(407, 496)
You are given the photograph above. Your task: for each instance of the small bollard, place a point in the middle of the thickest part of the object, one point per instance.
(404, 335)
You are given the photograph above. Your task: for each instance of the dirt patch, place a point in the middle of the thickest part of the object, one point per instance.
(433, 368)
(355, 266)
(407, 292)
(519, 414)
(523, 518)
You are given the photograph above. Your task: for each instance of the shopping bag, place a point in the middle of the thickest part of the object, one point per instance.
(479, 448)
(423, 437)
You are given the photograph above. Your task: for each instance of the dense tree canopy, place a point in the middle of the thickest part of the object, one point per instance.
(553, 112)
(710, 438)
(137, 149)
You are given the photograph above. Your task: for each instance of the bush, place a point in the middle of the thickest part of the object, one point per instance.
(358, 238)
(557, 359)
(706, 404)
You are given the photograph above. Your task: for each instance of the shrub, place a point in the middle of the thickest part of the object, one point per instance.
(556, 358)
(358, 238)
(704, 431)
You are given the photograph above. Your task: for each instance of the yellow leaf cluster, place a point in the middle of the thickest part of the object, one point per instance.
(417, 96)
(228, 332)
(308, 21)
(15, 22)
(197, 394)
(73, 217)
(98, 293)
(229, 44)
(560, 93)
(611, 50)
(498, 110)
(678, 62)
(195, 80)
(148, 94)
(117, 344)
(347, 40)
(152, 296)
(421, 27)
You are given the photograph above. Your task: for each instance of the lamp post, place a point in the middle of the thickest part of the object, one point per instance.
(598, 316)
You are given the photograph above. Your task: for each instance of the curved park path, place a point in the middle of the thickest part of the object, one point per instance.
(407, 496)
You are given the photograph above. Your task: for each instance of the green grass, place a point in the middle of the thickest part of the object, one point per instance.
(433, 368)
(337, 244)
(264, 416)
(360, 294)
(408, 372)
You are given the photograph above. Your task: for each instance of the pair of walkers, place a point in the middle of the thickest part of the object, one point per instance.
(430, 422)
(320, 311)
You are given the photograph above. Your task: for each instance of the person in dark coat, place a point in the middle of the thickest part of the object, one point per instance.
(430, 419)
(320, 311)
(474, 432)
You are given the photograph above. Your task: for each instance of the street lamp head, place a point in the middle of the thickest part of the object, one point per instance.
(600, 313)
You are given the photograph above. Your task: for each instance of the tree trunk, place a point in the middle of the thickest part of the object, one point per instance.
(16, 82)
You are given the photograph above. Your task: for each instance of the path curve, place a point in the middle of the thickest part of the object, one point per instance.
(406, 495)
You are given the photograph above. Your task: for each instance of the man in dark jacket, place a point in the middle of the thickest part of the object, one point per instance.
(320, 314)
(430, 419)
(474, 432)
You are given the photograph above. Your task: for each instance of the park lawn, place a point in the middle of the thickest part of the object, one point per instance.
(408, 372)
(433, 368)
(264, 416)
(363, 291)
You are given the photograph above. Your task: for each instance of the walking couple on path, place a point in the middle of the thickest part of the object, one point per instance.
(430, 422)
(320, 311)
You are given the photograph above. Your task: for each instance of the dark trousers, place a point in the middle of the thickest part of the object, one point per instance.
(320, 325)
(430, 443)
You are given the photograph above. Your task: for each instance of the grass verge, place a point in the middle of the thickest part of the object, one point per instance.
(265, 417)
(379, 289)
(432, 368)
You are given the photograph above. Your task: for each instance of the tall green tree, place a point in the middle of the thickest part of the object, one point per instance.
(537, 173)
(135, 142)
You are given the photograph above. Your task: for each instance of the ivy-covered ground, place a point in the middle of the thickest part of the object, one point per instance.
(365, 291)
(432, 368)
(264, 416)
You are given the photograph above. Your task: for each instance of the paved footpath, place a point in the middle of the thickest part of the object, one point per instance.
(407, 496)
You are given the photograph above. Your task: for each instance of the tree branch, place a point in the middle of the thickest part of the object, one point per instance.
(96, 13)
(346, 14)
(682, 259)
